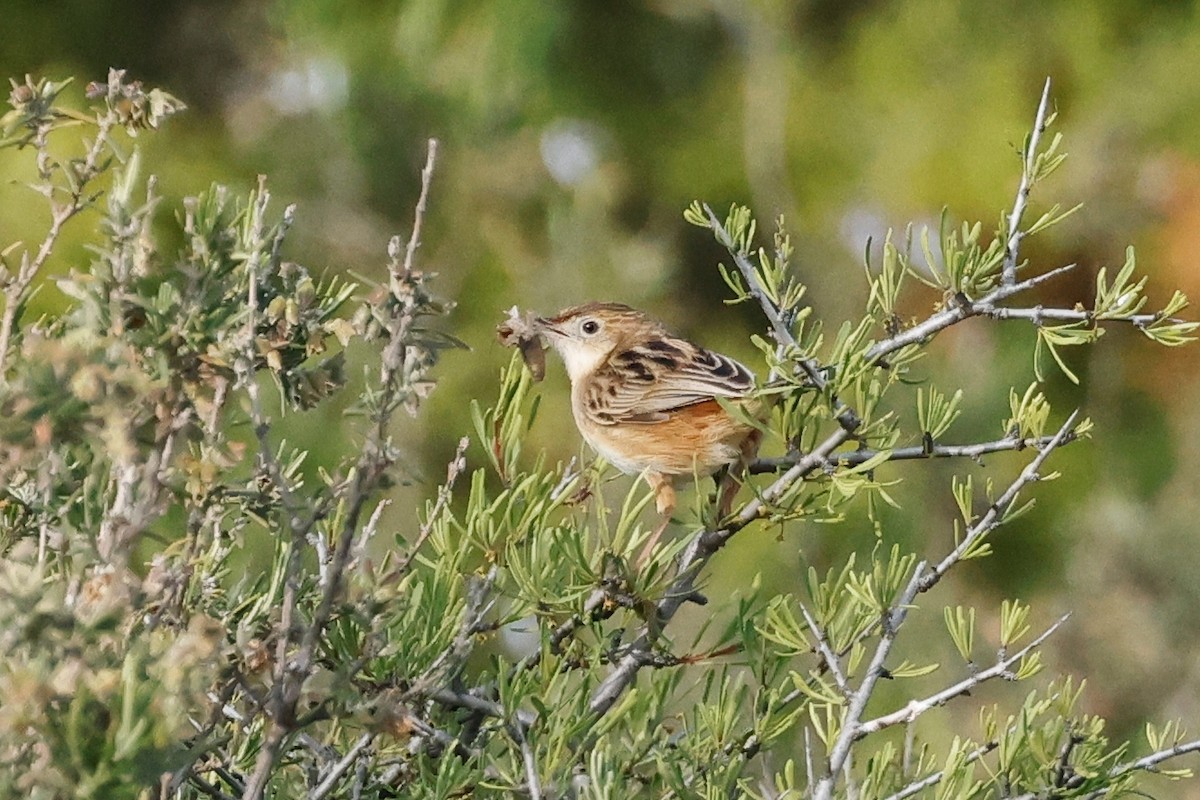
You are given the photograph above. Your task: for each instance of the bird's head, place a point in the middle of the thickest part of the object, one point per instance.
(585, 336)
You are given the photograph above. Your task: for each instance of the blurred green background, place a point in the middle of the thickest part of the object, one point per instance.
(574, 134)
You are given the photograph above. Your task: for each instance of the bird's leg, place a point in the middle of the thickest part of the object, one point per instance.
(664, 501)
(729, 481)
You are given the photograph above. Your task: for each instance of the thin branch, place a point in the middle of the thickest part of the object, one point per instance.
(443, 739)
(533, 783)
(341, 767)
(831, 659)
(597, 607)
(846, 416)
(910, 740)
(808, 757)
(858, 701)
(917, 452)
(445, 493)
(373, 461)
(457, 699)
(280, 705)
(782, 331)
(16, 290)
(1064, 773)
(414, 241)
(1154, 759)
(1029, 161)
(297, 530)
(479, 603)
(996, 513)
(936, 778)
(916, 708)
(955, 313)
(371, 465)
(1037, 315)
(371, 527)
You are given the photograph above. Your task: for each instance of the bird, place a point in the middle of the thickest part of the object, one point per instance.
(648, 401)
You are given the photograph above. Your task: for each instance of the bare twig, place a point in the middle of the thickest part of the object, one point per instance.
(532, 781)
(414, 241)
(375, 459)
(140, 488)
(997, 511)
(16, 290)
(1151, 761)
(339, 769)
(456, 699)
(1037, 315)
(936, 777)
(830, 658)
(846, 416)
(808, 757)
(916, 708)
(1028, 162)
(840, 751)
(285, 686)
(973, 451)
(445, 492)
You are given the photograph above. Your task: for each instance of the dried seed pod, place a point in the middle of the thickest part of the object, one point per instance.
(522, 331)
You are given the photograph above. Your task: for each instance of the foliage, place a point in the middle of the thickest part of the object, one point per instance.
(152, 651)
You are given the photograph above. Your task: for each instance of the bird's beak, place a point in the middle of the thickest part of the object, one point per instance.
(547, 325)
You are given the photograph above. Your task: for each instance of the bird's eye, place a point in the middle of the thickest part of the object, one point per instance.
(589, 326)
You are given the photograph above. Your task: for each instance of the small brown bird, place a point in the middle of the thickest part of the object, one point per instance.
(645, 400)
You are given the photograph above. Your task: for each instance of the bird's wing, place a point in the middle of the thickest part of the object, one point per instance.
(645, 383)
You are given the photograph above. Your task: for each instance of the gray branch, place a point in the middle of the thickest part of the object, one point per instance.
(290, 673)
(339, 769)
(997, 511)
(858, 701)
(1029, 160)
(826, 652)
(973, 451)
(1038, 315)
(534, 784)
(957, 312)
(16, 290)
(1145, 763)
(845, 415)
(936, 778)
(916, 708)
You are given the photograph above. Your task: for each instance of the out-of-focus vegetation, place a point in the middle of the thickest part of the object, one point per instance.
(575, 133)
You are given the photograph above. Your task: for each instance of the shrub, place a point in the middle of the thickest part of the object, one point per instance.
(153, 649)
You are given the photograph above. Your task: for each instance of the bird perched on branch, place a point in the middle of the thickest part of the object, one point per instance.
(645, 399)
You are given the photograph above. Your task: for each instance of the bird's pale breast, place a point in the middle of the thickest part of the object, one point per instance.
(698, 439)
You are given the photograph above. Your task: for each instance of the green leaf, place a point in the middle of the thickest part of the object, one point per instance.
(1014, 622)
(907, 670)
(960, 622)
